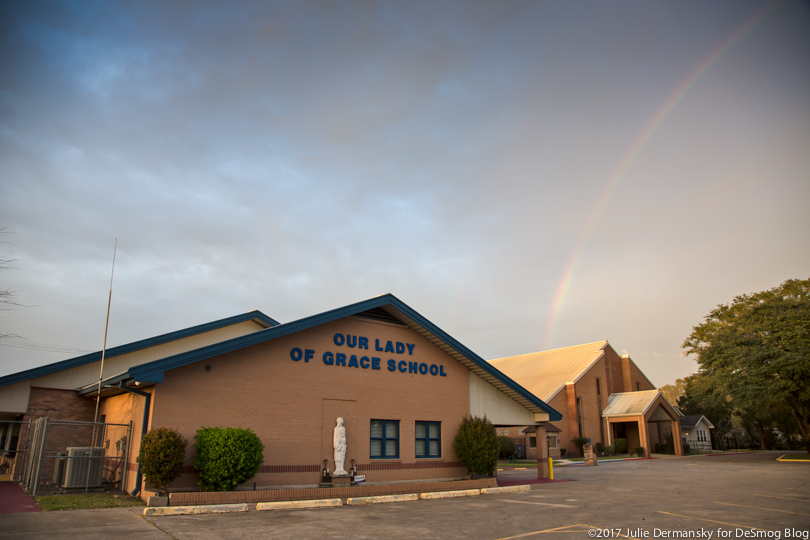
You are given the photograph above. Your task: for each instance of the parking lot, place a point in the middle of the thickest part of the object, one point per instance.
(732, 496)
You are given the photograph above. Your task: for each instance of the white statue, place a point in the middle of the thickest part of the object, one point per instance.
(339, 444)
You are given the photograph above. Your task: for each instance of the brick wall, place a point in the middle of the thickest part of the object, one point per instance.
(292, 405)
(59, 405)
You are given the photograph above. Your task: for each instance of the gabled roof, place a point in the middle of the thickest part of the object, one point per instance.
(630, 403)
(386, 306)
(545, 373)
(256, 316)
(692, 420)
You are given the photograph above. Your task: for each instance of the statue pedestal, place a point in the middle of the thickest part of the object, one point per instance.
(590, 455)
(343, 480)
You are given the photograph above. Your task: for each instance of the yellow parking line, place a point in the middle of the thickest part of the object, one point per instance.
(710, 520)
(762, 508)
(786, 498)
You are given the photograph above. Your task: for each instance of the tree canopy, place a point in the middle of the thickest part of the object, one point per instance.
(757, 349)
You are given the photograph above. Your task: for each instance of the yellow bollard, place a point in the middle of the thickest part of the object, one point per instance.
(550, 469)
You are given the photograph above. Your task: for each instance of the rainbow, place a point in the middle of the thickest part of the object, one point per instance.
(675, 98)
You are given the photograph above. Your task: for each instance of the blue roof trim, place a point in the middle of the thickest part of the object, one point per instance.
(135, 346)
(152, 372)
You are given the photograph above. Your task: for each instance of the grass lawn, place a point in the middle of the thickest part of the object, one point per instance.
(85, 501)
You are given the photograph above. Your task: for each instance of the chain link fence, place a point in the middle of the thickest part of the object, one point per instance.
(60, 456)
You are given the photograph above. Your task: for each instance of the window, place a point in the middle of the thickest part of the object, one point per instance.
(638, 387)
(701, 435)
(428, 440)
(532, 442)
(552, 441)
(579, 415)
(384, 439)
(520, 430)
(506, 431)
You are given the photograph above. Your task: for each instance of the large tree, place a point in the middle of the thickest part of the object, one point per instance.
(758, 349)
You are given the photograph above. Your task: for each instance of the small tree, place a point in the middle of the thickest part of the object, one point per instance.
(227, 457)
(476, 445)
(621, 446)
(161, 457)
(580, 442)
(507, 446)
(640, 451)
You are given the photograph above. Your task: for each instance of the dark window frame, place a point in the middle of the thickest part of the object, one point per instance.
(427, 438)
(386, 436)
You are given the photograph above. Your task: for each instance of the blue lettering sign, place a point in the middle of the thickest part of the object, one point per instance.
(403, 366)
(400, 347)
(413, 367)
(434, 369)
(350, 342)
(363, 343)
(340, 359)
(328, 358)
(364, 361)
(389, 347)
(353, 361)
(377, 345)
(410, 348)
(375, 363)
(392, 365)
(339, 339)
(423, 368)
(441, 371)
(296, 354)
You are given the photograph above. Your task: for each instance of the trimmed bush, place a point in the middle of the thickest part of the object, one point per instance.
(610, 449)
(161, 457)
(227, 457)
(476, 445)
(670, 445)
(640, 451)
(621, 446)
(507, 446)
(600, 449)
(685, 448)
(562, 452)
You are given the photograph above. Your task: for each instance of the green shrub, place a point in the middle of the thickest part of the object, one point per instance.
(685, 448)
(580, 442)
(161, 457)
(600, 449)
(227, 457)
(657, 448)
(562, 452)
(507, 446)
(610, 450)
(621, 446)
(670, 445)
(476, 445)
(640, 451)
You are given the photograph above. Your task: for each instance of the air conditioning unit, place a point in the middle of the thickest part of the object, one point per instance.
(84, 467)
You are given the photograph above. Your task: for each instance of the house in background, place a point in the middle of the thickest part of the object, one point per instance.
(696, 432)
(578, 381)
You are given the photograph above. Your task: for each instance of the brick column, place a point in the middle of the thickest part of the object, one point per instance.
(571, 412)
(542, 451)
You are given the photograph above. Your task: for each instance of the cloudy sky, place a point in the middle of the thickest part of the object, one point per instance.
(526, 175)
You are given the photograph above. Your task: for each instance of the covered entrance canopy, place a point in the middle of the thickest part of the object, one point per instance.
(642, 418)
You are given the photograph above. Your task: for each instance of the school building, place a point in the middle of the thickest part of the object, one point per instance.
(400, 383)
(582, 382)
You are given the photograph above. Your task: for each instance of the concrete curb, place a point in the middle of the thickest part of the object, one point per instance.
(152, 511)
(505, 489)
(449, 494)
(294, 505)
(359, 501)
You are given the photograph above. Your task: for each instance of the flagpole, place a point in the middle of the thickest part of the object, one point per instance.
(106, 326)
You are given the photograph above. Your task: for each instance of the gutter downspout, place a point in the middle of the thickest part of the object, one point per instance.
(144, 428)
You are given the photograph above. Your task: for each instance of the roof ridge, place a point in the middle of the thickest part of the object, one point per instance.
(550, 350)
